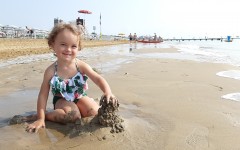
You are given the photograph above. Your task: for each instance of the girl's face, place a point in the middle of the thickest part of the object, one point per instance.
(66, 45)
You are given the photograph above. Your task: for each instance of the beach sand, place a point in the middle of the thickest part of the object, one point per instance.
(12, 48)
(166, 104)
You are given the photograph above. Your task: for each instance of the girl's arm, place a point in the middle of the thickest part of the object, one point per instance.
(43, 97)
(41, 104)
(97, 79)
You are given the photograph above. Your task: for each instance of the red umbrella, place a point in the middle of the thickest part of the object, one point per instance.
(85, 11)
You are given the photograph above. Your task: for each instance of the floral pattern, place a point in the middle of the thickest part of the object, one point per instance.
(70, 89)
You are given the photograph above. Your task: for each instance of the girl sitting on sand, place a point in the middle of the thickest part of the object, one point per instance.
(67, 79)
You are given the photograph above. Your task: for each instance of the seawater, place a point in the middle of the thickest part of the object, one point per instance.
(203, 51)
(212, 51)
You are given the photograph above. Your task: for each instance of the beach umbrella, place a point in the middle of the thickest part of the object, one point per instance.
(121, 34)
(85, 11)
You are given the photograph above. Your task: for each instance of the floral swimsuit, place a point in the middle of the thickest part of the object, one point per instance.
(71, 89)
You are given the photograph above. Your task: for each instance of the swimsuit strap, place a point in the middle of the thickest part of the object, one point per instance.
(77, 66)
(55, 71)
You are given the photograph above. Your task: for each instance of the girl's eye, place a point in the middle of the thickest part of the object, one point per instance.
(74, 46)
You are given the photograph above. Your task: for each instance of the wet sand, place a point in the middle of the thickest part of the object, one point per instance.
(166, 104)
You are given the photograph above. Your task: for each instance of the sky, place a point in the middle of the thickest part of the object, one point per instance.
(166, 18)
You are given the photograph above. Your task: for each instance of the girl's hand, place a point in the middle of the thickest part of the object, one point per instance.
(111, 98)
(35, 126)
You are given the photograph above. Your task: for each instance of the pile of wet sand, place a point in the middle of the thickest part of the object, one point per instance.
(107, 115)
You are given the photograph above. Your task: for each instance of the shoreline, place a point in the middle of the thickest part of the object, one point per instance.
(166, 104)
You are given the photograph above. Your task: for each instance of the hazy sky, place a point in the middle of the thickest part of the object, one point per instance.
(168, 18)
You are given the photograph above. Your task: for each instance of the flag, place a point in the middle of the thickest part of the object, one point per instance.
(100, 19)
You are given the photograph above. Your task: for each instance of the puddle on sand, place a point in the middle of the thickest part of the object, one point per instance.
(23, 102)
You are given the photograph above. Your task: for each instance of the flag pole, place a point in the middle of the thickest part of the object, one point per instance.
(100, 26)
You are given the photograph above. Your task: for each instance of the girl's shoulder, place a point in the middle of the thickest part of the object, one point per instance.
(50, 70)
(83, 66)
(81, 63)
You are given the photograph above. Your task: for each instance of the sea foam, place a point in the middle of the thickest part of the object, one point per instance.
(232, 96)
(234, 74)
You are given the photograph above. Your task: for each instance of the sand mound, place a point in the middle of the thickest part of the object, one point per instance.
(107, 116)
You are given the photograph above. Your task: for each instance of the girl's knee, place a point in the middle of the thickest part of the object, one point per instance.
(88, 107)
(69, 117)
(92, 112)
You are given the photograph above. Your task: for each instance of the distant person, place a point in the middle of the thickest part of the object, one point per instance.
(30, 31)
(155, 37)
(130, 37)
(135, 37)
(67, 79)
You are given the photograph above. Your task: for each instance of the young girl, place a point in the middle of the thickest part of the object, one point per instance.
(67, 79)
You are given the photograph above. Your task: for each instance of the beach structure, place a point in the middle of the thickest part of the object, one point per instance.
(8, 31)
(229, 39)
(2, 34)
(81, 24)
(38, 33)
(83, 29)
(11, 31)
(193, 39)
(57, 21)
(82, 21)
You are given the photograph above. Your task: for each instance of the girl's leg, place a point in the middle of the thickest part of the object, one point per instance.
(64, 112)
(87, 106)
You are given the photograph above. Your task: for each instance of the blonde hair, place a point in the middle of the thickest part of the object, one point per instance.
(59, 28)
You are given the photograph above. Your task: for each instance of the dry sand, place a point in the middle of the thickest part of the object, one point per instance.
(166, 104)
(12, 48)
